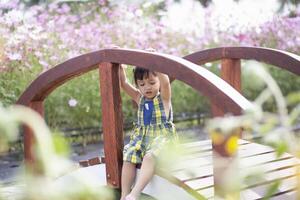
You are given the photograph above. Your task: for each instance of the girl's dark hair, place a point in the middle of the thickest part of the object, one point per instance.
(141, 73)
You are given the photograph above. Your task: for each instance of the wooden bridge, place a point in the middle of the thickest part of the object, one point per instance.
(223, 93)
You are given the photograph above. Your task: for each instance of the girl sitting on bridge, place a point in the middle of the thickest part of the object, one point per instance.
(153, 129)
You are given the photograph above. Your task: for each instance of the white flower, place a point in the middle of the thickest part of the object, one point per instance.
(14, 56)
(72, 102)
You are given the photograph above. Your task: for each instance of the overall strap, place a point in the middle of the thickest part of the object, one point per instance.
(140, 120)
(158, 115)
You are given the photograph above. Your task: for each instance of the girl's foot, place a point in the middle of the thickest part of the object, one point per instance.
(123, 197)
(131, 197)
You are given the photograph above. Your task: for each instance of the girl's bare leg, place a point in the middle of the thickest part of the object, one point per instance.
(146, 174)
(127, 179)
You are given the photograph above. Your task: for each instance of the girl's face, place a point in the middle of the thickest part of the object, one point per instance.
(149, 86)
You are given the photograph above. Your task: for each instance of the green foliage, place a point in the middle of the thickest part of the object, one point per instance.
(252, 85)
(186, 99)
(13, 83)
(87, 112)
(50, 162)
(273, 188)
(60, 144)
(8, 129)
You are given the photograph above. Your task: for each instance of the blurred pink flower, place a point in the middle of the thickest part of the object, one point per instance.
(44, 64)
(38, 54)
(9, 4)
(101, 2)
(53, 34)
(64, 9)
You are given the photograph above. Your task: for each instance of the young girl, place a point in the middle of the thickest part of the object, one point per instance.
(153, 129)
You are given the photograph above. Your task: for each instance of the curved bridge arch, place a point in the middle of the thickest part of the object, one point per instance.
(278, 58)
(217, 90)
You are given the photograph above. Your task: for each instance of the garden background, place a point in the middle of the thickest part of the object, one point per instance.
(37, 35)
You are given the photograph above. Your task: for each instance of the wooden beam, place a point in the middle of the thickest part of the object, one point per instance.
(231, 72)
(222, 157)
(29, 140)
(112, 122)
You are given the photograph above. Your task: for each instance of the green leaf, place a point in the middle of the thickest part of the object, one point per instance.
(60, 144)
(272, 189)
(281, 148)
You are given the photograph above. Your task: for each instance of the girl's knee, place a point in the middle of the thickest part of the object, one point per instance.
(148, 157)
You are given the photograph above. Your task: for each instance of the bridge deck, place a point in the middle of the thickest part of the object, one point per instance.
(196, 170)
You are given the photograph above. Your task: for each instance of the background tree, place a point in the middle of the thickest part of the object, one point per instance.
(290, 5)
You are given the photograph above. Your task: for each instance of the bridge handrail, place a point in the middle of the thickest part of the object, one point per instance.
(278, 58)
(199, 78)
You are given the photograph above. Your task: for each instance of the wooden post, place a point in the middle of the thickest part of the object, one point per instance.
(28, 134)
(224, 147)
(112, 122)
(224, 164)
(231, 72)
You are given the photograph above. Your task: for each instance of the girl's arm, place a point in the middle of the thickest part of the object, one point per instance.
(165, 87)
(165, 92)
(133, 92)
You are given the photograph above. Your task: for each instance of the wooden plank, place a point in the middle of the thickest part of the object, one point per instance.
(201, 183)
(202, 150)
(203, 156)
(206, 144)
(196, 162)
(192, 173)
(242, 152)
(207, 192)
(275, 165)
(197, 171)
(273, 176)
(285, 189)
(253, 194)
(177, 182)
(197, 143)
(284, 195)
(287, 178)
(112, 122)
(261, 159)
